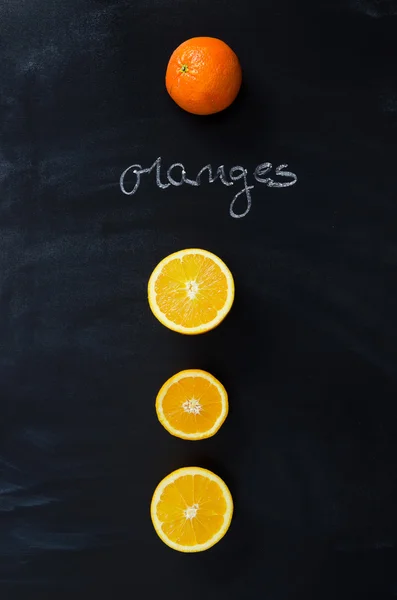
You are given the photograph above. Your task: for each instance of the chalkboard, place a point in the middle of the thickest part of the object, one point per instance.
(308, 352)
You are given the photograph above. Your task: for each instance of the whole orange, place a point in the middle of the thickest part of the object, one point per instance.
(203, 75)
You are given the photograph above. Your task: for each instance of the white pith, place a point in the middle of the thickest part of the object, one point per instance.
(192, 406)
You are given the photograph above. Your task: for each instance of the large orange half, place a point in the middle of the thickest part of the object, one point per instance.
(191, 291)
(191, 509)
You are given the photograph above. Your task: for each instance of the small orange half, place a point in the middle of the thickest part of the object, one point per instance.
(191, 509)
(191, 291)
(192, 405)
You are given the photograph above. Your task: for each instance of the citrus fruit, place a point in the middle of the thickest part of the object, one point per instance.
(191, 291)
(191, 509)
(192, 405)
(203, 75)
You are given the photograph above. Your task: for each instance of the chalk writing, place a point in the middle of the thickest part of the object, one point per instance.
(176, 176)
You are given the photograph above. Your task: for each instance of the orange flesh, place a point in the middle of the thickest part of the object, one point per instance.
(190, 291)
(199, 493)
(192, 405)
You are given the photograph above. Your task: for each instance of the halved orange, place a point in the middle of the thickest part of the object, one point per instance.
(192, 405)
(191, 509)
(191, 291)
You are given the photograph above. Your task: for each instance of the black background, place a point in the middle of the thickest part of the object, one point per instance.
(308, 353)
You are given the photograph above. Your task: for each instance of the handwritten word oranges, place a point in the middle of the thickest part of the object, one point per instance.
(192, 405)
(191, 509)
(191, 291)
(203, 75)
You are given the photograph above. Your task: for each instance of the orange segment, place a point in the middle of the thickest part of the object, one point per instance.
(191, 291)
(191, 509)
(192, 405)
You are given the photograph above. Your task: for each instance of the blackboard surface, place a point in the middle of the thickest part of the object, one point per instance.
(308, 353)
